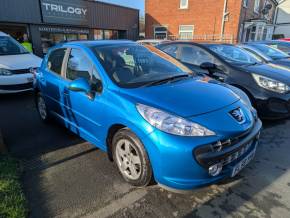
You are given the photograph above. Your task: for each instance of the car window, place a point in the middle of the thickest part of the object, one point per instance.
(270, 51)
(194, 55)
(234, 54)
(132, 65)
(55, 60)
(78, 65)
(285, 47)
(171, 50)
(9, 46)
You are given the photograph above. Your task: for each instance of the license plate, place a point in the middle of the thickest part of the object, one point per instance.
(241, 165)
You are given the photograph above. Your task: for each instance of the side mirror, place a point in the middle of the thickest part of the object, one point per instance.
(208, 66)
(97, 86)
(80, 85)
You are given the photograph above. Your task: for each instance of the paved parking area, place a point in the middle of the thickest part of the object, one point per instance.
(67, 177)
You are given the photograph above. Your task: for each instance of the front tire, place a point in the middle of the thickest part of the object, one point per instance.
(42, 108)
(131, 158)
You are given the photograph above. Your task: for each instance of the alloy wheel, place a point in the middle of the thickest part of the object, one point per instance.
(42, 108)
(128, 159)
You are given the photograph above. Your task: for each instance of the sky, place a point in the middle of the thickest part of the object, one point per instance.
(139, 4)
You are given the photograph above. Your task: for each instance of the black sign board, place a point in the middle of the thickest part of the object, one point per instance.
(65, 12)
(66, 30)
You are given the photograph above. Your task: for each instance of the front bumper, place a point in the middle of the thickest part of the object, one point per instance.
(271, 105)
(16, 83)
(182, 165)
(274, 108)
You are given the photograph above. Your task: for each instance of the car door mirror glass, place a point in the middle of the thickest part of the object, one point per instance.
(80, 85)
(97, 86)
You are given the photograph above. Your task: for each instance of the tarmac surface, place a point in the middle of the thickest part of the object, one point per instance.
(65, 176)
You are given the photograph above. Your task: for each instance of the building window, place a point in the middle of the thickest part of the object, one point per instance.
(245, 3)
(183, 4)
(253, 33)
(186, 32)
(257, 6)
(98, 34)
(160, 32)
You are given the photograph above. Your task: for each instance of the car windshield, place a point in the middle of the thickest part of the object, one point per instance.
(9, 46)
(271, 52)
(234, 55)
(132, 65)
(283, 46)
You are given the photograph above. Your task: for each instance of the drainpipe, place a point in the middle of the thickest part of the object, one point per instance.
(225, 13)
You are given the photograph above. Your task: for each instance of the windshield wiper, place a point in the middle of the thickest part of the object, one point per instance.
(169, 79)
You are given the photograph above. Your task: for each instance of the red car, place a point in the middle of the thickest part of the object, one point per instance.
(286, 39)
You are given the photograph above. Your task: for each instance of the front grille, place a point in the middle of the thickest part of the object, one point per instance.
(17, 87)
(226, 151)
(21, 71)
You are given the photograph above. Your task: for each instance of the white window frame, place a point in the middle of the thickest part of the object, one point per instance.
(186, 31)
(183, 6)
(257, 6)
(245, 3)
(166, 32)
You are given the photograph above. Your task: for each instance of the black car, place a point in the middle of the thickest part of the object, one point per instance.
(279, 44)
(268, 53)
(267, 85)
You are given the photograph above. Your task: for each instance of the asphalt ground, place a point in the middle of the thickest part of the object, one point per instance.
(64, 176)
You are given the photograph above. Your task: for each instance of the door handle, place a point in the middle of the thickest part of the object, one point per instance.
(65, 92)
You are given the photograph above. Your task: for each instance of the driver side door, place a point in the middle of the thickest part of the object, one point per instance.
(84, 110)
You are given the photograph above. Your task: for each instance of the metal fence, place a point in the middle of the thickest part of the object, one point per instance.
(227, 38)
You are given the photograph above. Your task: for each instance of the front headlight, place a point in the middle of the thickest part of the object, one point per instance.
(172, 124)
(5, 72)
(270, 84)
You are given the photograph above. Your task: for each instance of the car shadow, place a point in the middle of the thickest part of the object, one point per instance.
(25, 134)
(249, 194)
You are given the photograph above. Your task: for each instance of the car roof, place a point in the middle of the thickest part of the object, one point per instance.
(3, 34)
(266, 42)
(196, 43)
(153, 40)
(89, 43)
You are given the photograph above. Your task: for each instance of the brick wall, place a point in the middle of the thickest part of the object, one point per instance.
(206, 16)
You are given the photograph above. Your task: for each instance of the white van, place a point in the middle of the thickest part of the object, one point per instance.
(16, 66)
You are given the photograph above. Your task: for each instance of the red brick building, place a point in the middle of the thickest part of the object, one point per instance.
(234, 20)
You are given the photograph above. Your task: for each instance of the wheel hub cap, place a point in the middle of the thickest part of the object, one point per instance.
(128, 159)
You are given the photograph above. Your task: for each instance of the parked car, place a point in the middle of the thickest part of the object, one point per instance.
(285, 39)
(150, 113)
(152, 42)
(268, 54)
(267, 85)
(16, 66)
(279, 44)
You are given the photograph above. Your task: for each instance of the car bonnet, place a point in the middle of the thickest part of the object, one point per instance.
(271, 70)
(186, 98)
(20, 61)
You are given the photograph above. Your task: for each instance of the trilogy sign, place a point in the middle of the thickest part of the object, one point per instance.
(65, 11)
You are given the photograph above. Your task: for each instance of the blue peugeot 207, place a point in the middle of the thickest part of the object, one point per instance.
(154, 117)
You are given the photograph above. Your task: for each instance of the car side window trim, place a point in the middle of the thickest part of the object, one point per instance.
(64, 63)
